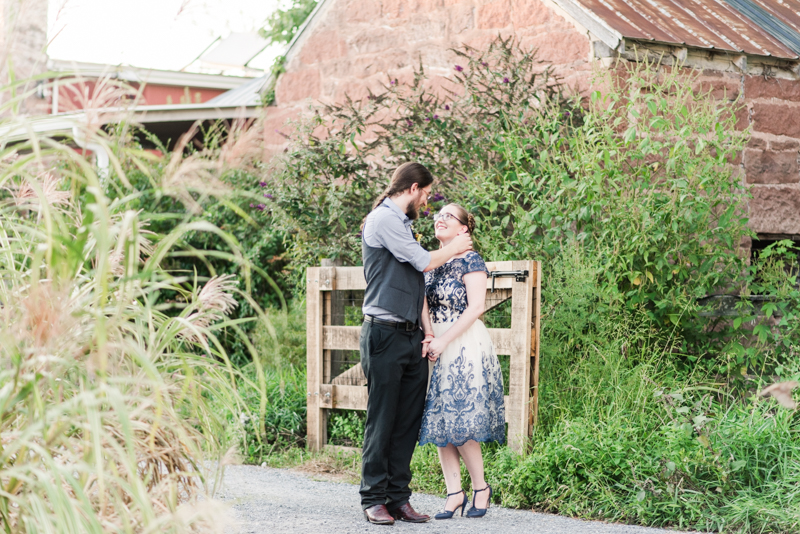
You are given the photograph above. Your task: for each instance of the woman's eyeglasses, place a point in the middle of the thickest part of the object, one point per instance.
(446, 217)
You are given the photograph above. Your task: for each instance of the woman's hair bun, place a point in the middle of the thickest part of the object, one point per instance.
(465, 217)
(470, 223)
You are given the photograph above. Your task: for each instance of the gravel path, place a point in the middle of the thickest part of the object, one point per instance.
(268, 500)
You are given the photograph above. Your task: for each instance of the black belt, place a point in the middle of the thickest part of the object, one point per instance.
(408, 327)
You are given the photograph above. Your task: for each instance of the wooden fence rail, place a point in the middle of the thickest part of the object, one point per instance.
(332, 386)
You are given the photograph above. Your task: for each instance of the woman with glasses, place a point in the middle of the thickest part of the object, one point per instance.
(464, 405)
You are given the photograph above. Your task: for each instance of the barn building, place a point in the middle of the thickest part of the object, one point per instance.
(746, 49)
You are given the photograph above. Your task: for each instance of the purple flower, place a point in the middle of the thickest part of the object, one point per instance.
(427, 119)
(252, 205)
(447, 108)
(437, 197)
(392, 82)
(566, 113)
(262, 184)
(459, 68)
(426, 212)
(267, 195)
(409, 123)
(261, 207)
(484, 64)
(505, 80)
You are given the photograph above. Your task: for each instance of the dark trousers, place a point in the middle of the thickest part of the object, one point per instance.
(397, 378)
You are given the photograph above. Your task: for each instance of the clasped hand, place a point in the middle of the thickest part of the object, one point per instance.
(433, 348)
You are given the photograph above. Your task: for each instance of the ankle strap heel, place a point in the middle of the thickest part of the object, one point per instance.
(480, 512)
(448, 514)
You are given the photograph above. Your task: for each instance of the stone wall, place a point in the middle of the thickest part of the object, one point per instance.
(355, 45)
(771, 158)
(23, 39)
(352, 46)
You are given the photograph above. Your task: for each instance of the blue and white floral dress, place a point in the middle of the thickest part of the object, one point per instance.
(465, 395)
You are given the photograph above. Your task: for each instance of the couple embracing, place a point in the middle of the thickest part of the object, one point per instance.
(421, 310)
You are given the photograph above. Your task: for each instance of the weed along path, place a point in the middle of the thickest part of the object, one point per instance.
(266, 500)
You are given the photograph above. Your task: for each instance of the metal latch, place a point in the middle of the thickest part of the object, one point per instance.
(519, 276)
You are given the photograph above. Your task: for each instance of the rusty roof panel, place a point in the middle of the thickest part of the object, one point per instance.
(711, 24)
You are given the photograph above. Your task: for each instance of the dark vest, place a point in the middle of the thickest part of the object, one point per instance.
(395, 286)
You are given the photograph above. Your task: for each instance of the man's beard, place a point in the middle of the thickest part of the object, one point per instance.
(411, 211)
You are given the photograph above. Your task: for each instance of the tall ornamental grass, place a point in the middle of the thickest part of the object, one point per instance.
(109, 361)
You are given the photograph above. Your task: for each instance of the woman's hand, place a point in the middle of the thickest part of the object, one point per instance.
(435, 349)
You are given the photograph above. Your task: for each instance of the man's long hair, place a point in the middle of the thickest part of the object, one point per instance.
(403, 178)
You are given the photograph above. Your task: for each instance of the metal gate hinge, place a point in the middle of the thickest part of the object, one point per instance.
(519, 276)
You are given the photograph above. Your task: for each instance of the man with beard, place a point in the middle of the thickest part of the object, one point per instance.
(392, 342)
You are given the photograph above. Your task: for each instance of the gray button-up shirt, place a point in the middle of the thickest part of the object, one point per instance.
(391, 229)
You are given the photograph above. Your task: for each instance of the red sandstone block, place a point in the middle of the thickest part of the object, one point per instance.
(742, 118)
(398, 9)
(720, 88)
(420, 27)
(775, 209)
(778, 119)
(363, 11)
(785, 144)
(526, 14)
(376, 40)
(757, 143)
(771, 167)
(494, 15)
(323, 46)
(559, 47)
(360, 89)
(769, 87)
(298, 85)
(366, 66)
(460, 18)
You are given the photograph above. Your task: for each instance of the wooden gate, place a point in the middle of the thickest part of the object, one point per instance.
(335, 377)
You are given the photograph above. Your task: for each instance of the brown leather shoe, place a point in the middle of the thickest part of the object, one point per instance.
(406, 513)
(379, 515)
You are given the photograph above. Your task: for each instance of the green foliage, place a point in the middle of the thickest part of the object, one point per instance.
(111, 368)
(631, 201)
(278, 68)
(245, 243)
(281, 342)
(643, 183)
(281, 346)
(346, 427)
(765, 325)
(282, 25)
(341, 159)
(283, 425)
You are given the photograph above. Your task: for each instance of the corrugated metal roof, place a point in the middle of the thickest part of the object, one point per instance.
(711, 24)
(248, 94)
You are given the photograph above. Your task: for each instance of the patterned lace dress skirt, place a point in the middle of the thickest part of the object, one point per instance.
(465, 394)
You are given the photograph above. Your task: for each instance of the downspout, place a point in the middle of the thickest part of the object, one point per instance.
(99, 150)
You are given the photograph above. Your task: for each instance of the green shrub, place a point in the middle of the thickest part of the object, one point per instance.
(245, 244)
(110, 363)
(341, 158)
(282, 341)
(346, 427)
(283, 424)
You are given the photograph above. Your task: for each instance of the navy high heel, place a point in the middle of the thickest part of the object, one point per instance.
(479, 512)
(447, 514)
